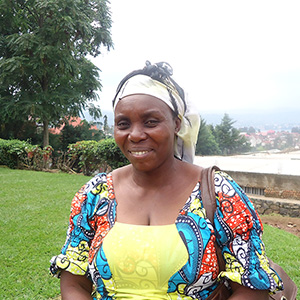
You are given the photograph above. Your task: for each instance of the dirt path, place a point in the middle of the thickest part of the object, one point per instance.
(288, 224)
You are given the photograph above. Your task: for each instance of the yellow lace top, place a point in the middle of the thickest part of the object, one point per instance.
(142, 259)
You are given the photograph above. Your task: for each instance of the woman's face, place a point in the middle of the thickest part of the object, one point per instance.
(144, 130)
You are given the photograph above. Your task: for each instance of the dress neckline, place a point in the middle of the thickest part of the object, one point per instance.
(144, 226)
(111, 195)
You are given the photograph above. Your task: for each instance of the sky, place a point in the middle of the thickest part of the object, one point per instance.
(227, 55)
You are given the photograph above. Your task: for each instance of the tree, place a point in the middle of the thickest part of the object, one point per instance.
(248, 130)
(20, 130)
(206, 142)
(289, 141)
(295, 130)
(44, 71)
(229, 139)
(105, 124)
(71, 134)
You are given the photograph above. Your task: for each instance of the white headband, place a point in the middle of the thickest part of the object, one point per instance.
(190, 121)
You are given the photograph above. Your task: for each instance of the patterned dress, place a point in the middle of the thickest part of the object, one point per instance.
(120, 274)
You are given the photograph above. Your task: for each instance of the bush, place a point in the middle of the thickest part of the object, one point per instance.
(13, 153)
(83, 157)
(87, 157)
(21, 154)
(91, 156)
(38, 158)
(109, 152)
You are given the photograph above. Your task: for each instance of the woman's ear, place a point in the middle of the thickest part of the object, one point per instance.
(177, 125)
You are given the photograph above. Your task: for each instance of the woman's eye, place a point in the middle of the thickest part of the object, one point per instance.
(123, 125)
(151, 123)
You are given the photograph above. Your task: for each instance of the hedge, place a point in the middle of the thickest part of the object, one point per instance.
(13, 153)
(87, 157)
(21, 154)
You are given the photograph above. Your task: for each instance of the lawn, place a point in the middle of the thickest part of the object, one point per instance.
(34, 217)
(34, 208)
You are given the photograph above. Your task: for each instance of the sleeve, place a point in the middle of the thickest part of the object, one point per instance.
(239, 232)
(81, 230)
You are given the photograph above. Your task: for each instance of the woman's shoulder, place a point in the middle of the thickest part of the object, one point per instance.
(96, 181)
(120, 174)
(224, 182)
(191, 170)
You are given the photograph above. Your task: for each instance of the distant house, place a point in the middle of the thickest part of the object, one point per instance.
(74, 121)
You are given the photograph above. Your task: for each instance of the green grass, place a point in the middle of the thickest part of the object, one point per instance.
(34, 210)
(284, 249)
(34, 217)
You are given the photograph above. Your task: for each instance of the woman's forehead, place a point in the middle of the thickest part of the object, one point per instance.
(142, 102)
(135, 100)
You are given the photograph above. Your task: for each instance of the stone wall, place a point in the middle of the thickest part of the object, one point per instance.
(283, 207)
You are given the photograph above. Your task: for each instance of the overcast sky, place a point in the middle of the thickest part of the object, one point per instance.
(226, 54)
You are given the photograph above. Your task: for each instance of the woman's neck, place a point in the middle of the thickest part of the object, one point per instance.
(161, 176)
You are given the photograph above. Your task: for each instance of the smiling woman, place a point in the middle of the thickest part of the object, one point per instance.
(146, 134)
(142, 232)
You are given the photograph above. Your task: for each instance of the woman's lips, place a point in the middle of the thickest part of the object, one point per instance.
(138, 153)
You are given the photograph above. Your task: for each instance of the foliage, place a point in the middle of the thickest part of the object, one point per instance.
(19, 129)
(87, 157)
(21, 154)
(71, 134)
(206, 143)
(38, 158)
(111, 154)
(248, 130)
(35, 218)
(55, 142)
(13, 153)
(84, 158)
(91, 156)
(221, 139)
(229, 139)
(295, 130)
(44, 72)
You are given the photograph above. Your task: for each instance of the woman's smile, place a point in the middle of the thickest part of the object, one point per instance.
(138, 153)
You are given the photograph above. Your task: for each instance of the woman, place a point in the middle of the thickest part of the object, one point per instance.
(141, 232)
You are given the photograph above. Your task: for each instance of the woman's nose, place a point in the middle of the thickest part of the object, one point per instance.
(137, 133)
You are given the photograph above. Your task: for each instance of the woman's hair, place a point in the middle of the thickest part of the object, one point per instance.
(161, 72)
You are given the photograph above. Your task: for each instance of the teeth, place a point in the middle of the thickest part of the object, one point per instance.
(139, 152)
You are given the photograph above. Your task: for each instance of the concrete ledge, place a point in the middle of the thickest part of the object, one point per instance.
(263, 180)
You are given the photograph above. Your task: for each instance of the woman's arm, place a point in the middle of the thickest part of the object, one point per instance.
(239, 234)
(75, 287)
(243, 293)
